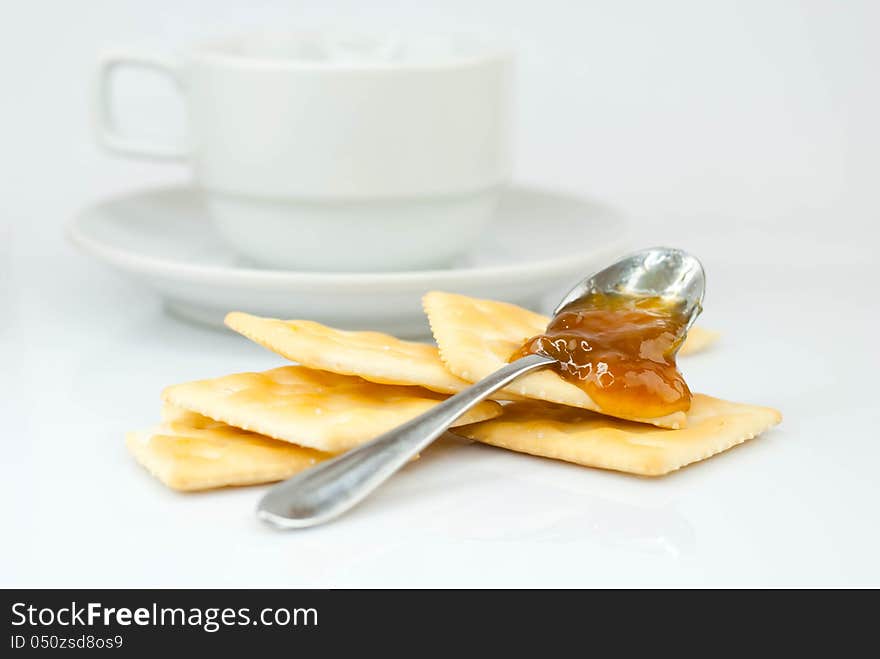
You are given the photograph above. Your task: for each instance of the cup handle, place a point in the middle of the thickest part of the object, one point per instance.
(105, 127)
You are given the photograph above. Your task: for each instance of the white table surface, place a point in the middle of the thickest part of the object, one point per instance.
(768, 169)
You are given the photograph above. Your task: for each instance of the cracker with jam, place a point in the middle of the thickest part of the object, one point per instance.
(615, 398)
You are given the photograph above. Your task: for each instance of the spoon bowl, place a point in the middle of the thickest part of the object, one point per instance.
(659, 272)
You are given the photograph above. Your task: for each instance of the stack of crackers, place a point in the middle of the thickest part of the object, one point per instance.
(347, 388)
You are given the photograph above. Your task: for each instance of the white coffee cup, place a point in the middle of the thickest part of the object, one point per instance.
(337, 153)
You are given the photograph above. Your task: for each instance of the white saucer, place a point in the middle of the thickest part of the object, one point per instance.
(538, 244)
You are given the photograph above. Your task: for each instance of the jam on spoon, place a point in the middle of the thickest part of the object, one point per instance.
(620, 350)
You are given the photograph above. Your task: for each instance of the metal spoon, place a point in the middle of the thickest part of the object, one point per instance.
(324, 492)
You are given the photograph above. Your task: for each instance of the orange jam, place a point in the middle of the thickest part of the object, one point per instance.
(621, 351)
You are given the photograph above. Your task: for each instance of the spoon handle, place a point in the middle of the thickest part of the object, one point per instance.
(323, 492)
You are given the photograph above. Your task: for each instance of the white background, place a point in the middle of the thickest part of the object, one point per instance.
(745, 131)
